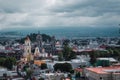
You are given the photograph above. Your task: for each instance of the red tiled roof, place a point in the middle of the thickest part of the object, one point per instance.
(101, 70)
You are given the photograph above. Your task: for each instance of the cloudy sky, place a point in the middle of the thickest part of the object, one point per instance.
(62, 13)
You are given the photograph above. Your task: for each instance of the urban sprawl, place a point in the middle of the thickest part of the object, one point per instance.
(42, 57)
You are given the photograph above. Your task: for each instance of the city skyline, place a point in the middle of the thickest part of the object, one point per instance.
(58, 13)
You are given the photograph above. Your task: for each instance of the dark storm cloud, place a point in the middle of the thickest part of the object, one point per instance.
(45, 13)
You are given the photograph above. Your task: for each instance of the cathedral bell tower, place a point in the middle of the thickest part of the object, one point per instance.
(39, 41)
(27, 50)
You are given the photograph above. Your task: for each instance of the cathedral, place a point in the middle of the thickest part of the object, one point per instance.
(27, 55)
(39, 50)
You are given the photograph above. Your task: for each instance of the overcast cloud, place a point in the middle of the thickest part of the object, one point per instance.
(53, 13)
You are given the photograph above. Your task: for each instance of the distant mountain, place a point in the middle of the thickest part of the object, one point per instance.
(70, 32)
(11, 33)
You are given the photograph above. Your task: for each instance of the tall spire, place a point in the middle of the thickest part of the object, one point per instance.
(53, 41)
(39, 41)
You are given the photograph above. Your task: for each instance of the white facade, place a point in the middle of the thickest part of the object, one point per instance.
(27, 47)
(27, 50)
(2, 71)
(2, 47)
(37, 52)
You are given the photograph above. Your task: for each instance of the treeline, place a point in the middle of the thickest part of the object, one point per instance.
(7, 62)
(32, 37)
(63, 67)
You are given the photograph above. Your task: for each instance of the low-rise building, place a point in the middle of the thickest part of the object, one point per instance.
(52, 76)
(8, 75)
(110, 59)
(103, 73)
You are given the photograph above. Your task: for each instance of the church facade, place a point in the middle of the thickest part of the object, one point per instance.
(38, 52)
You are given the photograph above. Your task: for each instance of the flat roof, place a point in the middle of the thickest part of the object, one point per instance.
(110, 59)
(104, 70)
(3, 69)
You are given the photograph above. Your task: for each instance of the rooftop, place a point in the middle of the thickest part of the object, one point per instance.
(104, 70)
(110, 59)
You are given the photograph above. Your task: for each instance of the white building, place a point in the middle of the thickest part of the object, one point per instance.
(111, 60)
(2, 47)
(2, 71)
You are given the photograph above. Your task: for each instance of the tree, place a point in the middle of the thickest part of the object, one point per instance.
(60, 56)
(72, 55)
(64, 67)
(66, 42)
(77, 75)
(67, 67)
(70, 76)
(93, 57)
(13, 59)
(43, 66)
(68, 54)
(9, 62)
(26, 66)
(32, 37)
(29, 74)
(2, 61)
(58, 66)
(72, 71)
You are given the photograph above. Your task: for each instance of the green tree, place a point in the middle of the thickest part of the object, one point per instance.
(72, 71)
(43, 66)
(58, 66)
(9, 62)
(60, 56)
(25, 67)
(32, 37)
(64, 67)
(68, 54)
(28, 74)
(93, 57)
(72, 55)
(66, 42)
(67, 67)
(70, 76)
(13, 59)
(2, 61)
(77, 75)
